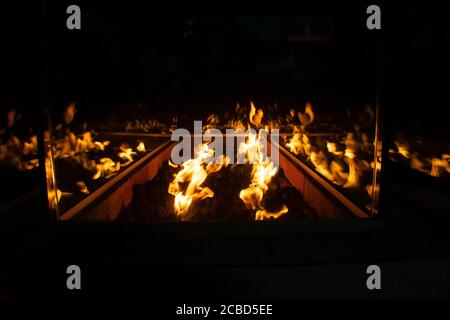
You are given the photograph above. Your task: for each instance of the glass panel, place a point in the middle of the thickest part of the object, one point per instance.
(20, 111)
(300, 83)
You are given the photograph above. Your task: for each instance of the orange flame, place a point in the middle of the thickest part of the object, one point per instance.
(321, 165)
(18, 154)
(127, 154)
(86, 143)
(263, 214)
(307, 117)
(21, 155)
(106, 168)
(262, 172)
(332, 148)
(54, 195)
(256, 115)
(438, 166)
(141, 147)
(335, 172)
(295, 145)
(194, 173)
(433, 166)
(82, 187)
(403, 149)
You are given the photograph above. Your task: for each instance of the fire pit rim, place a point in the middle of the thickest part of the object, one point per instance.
(111, 184)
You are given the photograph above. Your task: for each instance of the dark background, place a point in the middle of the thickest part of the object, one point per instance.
(22, 63)
(193, 65)
(130, 53)
(123, 56)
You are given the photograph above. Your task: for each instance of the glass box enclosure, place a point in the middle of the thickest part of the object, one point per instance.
(306, 88)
